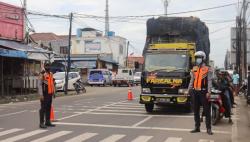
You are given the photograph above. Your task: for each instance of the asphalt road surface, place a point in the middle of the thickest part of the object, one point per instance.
(104, 114)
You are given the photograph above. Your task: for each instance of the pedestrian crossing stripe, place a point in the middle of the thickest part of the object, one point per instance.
(23, 136)
(79, 138)
(82, 137)
(52, 136)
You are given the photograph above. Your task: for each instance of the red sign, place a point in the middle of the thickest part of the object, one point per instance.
(11, 22)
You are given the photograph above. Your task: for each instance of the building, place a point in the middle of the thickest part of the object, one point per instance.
(92, 41)
(135, 62)
(230, 58)
(20, 63)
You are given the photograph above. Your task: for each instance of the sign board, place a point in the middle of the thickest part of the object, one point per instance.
(91, 47)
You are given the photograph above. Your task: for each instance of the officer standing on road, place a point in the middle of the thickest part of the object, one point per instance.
(46, 90)
(201, 83)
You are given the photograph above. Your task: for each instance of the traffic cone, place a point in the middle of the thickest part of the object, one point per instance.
(130, 94)
(52, 114)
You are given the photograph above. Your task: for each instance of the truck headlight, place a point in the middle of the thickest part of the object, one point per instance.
(182, 91)
(146, 90)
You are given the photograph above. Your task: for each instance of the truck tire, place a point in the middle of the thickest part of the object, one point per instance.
(149, 107)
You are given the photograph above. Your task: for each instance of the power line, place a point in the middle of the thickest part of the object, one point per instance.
(175, 13)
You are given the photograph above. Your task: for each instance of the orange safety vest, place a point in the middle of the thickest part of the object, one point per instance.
(49, 81)
(200, 77)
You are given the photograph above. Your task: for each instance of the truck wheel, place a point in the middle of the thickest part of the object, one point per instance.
(149, 107)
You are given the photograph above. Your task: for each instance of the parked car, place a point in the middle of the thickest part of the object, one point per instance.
(60, 80)
(99, 77)
(137, 78)
(124, 77)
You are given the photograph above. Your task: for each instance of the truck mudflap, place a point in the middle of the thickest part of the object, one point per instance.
(165, 99)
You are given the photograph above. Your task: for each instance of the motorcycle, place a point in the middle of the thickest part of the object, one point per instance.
(79, 86)
(217, 108)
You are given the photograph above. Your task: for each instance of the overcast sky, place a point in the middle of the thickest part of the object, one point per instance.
(134, 31)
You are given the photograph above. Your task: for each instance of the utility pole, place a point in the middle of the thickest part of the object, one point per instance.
(25, 20)
(244, 34)
(127, 54)
(238, 45)
(107, 18)
(69, 61)
(166, 2)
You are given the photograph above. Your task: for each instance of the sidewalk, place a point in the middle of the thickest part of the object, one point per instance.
(241, 126)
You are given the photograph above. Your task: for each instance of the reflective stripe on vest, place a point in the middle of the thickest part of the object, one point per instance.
(48, 80)
(199, 77)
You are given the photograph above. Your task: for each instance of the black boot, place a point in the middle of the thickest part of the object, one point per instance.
(209, 132)
(50, 125)
(42, 126)
(196, 130)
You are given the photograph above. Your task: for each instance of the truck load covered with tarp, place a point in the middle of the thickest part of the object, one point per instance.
(178, 29)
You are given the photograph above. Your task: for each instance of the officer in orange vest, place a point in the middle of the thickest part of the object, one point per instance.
(46, 91)
(201, 83)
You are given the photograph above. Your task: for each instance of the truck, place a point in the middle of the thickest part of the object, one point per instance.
(171, 43)
(124, 76)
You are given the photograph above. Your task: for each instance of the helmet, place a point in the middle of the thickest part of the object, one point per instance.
(200, 54)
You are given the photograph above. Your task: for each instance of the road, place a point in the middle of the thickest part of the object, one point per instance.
(105, 115)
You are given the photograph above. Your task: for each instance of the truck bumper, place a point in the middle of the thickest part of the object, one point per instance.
(160, 99)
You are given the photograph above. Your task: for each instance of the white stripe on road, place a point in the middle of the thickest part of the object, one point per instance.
(9, 114)
(143, 121)
(142, 139)
(137, 128)
(82, 137)
(23, 136)
(52, 136)
(173, 139)
(134, 111)
(9, 131)
(98, 108)
(113, 138)
(136, 114)
(204, 140)
(124, 108)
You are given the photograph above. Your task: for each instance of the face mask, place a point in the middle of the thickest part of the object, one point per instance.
(198, 61)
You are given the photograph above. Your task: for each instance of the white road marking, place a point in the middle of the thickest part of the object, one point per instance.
(125, 108)
(173, 139)
(23, 136)
(137, 128)
(142, 139)
(143, 121)
(9, 114)
(134, 111)
(204, 140)
(98, 108)
(82, 137)
(136, 114)
(52, 136)
(113, 138)
(9, 131)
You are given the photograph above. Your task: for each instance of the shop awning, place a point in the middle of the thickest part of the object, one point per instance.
(13, 53)
(31, 52)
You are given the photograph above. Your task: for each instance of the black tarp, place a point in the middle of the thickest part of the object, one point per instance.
(179, 29)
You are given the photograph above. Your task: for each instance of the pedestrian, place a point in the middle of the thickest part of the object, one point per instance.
(236, 78)
(46, 90)
(201, 84)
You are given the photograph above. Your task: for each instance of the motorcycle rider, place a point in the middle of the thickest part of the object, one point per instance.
(223, 84)
(201, 83)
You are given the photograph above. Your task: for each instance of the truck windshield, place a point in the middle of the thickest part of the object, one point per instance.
(166, 62)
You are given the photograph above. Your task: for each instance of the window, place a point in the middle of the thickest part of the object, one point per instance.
(63, 50)
(121, 49)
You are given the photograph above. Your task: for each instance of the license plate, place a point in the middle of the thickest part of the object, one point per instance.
(164, 100)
